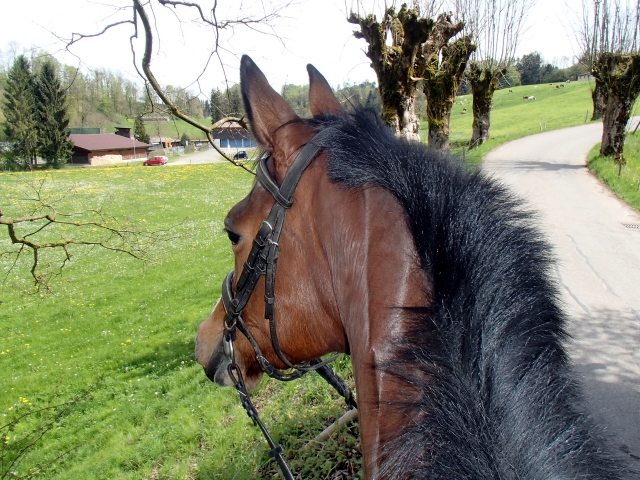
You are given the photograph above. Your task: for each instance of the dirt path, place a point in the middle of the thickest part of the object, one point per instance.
(598, 267)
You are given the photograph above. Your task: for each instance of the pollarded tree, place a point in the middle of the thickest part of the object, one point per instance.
(609, 37)
(394, 44)
(19, 109)
(605, 26)
(51, 114)
(442, 66)
(495, 26)
(621, 76)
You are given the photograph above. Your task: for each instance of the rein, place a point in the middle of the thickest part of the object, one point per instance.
(262, 260)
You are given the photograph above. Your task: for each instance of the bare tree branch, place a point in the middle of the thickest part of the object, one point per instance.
(39, 232)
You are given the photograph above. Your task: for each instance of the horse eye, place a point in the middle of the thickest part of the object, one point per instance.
(233, 237)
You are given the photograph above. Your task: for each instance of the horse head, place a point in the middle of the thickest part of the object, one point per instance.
(308, 321)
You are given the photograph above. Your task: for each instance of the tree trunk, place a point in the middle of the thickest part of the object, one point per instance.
(442, 79)
(620, 75)
(438, 137)
(400, 114)
(395, 64)
(484, 82)
(616, 116)
(598, 96)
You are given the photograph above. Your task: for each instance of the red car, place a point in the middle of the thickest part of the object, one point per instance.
(158, 160)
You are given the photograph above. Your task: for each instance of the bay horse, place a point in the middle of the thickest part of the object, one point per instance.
(431, 277)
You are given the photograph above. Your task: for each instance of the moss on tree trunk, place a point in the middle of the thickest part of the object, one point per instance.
(620, 74)
(598, 97)
(443, 75)
(484, 82)
(395, 64)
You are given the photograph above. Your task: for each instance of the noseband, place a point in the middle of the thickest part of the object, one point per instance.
(263, 260)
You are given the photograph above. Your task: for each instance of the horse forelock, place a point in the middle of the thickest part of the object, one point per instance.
(499, 401)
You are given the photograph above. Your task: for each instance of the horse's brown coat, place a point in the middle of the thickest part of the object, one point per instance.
(347, 265)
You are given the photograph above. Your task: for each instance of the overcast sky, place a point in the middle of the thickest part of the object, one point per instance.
(312, 31)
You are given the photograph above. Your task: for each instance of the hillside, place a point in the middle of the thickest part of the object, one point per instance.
(513, 117)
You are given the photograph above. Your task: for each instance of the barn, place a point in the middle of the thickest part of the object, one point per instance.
(105, 148)
(232, 135)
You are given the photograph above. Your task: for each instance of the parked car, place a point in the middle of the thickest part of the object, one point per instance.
(241, 155)
(157, 160)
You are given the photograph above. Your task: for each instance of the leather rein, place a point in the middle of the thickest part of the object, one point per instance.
(262, 260)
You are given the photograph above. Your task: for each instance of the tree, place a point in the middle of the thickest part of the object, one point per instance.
(140, 133)
(609, 36)
(51, 115)
(495, 26)
(19, 111)
(620, 74)
(529, 68)
(395, 64)
(605, 26)
(217, 105)
(442, 66)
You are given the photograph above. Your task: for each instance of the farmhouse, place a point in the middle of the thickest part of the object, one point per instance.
(232, 135)
(105, 148)
(585, 76)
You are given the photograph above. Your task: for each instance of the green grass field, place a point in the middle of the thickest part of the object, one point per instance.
(627, 185)
(513, 117)
(118, 335)
(173, 129)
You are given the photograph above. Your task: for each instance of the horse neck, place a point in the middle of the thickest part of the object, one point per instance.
(375, 273)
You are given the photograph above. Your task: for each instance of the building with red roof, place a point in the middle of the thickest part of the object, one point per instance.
(105, 148)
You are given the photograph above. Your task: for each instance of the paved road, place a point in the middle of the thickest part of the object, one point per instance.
(207, 156)
(598, 268)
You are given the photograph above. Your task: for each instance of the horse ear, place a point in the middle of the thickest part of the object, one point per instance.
(266, 109)
(321, 97)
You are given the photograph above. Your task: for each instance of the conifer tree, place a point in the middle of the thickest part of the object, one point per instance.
(51, 115)
(140, 133)
(217, 105)
(19, 111)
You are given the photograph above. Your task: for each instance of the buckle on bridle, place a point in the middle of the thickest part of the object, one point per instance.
(227, 346)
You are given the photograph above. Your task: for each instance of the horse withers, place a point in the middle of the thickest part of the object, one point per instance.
(430, 276)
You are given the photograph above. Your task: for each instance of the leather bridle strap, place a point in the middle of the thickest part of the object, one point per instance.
(262, 260)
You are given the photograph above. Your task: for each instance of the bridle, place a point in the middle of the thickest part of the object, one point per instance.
(262, 260)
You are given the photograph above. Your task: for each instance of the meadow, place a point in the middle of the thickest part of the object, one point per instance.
(106, 358)
(513, 117)
(626, 185)
(97, 377)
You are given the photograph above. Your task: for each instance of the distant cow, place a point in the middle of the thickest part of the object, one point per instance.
(530, 98)
(510, 91)
(463, 112)
(557, 86)
(525, 97)
(562, 85)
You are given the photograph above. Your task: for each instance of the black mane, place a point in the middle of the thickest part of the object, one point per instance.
(503, 404)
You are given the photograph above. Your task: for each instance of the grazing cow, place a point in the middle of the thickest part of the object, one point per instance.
(531, 98)
(510, 91)
(562, 85)
(463, 112)
(557, 86)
